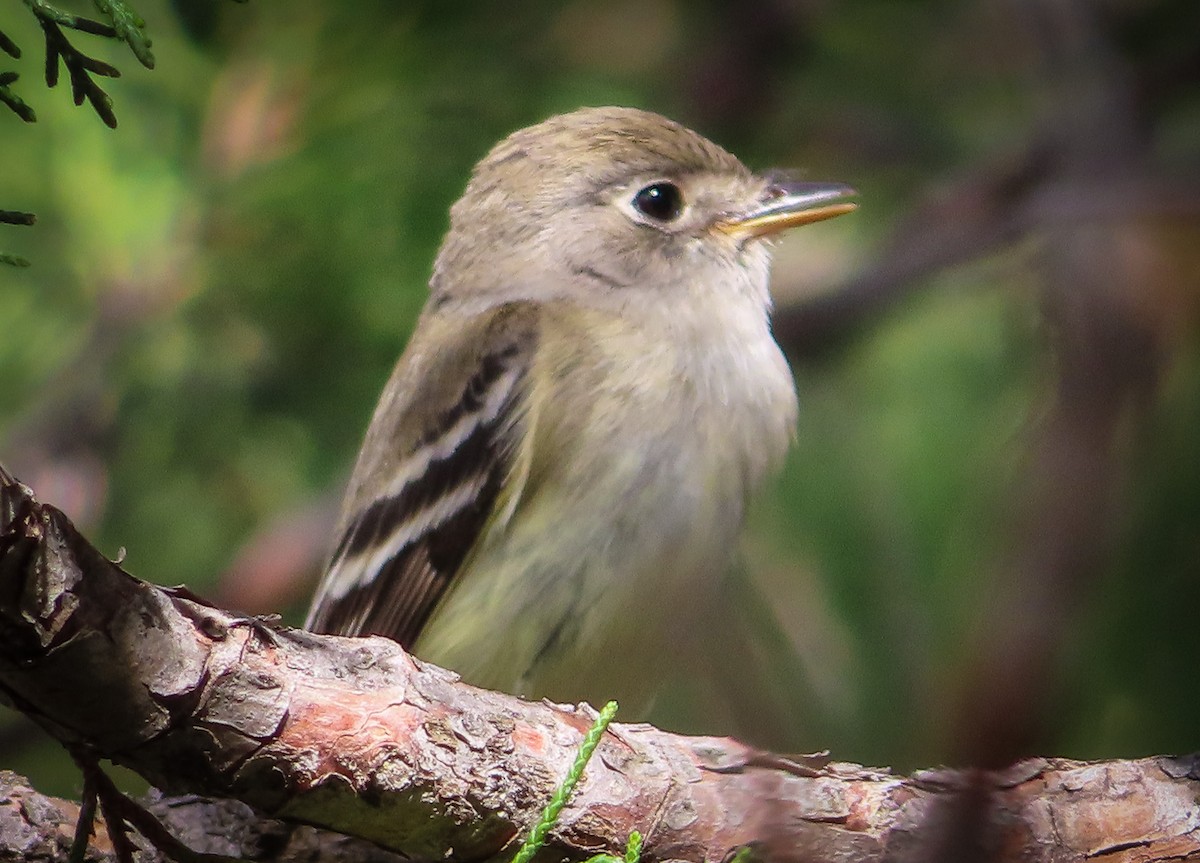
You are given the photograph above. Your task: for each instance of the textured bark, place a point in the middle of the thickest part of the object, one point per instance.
(357, 737)
(34, 827)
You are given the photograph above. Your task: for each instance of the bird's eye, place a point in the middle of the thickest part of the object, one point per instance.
(662, 202)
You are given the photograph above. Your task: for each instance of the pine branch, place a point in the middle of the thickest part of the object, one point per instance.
(12, 100)
(129, 27)
(43, 11)
(14, 217)
(9, 47)
(80, 68)
(354, 735)
(122, 23)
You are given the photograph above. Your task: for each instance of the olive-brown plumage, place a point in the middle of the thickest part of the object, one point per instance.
(552, 487)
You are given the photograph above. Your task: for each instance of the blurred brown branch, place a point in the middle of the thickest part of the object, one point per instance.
(1087, 162)
(1093, 203)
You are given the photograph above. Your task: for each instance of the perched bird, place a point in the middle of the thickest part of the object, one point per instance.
(554, 481)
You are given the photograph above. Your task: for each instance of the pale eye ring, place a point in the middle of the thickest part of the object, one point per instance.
(661, 201)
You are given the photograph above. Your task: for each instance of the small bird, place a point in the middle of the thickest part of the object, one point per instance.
(554, 481)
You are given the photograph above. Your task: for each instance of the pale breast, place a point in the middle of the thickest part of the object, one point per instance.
(645, 443)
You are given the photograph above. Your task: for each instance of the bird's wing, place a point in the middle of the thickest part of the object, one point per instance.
(438, 453)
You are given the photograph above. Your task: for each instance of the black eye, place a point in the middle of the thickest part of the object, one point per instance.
(662, 202)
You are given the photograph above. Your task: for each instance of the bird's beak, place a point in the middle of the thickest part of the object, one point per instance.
(786, 204)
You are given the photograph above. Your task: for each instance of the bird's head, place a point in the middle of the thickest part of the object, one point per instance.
(612, 200)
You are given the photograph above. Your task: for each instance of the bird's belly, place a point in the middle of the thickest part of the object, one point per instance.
(597, 588)
(598, 584)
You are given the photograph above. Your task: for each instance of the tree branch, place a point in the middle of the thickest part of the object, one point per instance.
(355, 736)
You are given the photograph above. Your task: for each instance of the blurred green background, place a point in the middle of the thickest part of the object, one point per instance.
(986, 542)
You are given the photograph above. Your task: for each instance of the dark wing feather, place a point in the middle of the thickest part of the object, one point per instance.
(406, 532)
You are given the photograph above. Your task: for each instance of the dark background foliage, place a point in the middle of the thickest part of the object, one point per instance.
(986, 542)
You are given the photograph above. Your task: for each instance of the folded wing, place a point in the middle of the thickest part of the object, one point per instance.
(437, 455)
